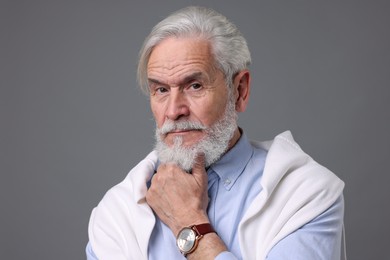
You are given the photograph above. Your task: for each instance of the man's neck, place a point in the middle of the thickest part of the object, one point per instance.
(235, 138)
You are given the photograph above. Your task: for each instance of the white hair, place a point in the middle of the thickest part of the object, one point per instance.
(229, 47)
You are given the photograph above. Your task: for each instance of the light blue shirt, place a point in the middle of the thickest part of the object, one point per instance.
(234, 181)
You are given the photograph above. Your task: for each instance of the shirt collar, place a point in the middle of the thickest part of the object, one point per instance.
(233, 163)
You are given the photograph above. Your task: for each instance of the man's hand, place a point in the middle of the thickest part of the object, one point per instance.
(178, 198)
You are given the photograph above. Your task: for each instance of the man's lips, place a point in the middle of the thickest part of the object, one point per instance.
(183, 131)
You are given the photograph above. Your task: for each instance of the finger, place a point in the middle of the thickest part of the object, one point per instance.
(199, 162)
(198, 170)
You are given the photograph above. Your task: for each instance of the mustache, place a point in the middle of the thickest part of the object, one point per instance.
(170, 126)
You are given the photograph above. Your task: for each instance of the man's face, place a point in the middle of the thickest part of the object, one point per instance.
(190, 101)
(185, 86)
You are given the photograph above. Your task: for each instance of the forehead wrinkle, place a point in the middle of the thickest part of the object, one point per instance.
(174, 59)
(173, 63)
(183, 79)
(181, 72)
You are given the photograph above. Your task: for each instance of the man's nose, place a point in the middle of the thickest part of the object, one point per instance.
(177, 107)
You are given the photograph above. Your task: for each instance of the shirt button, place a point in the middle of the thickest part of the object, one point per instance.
(226, 182)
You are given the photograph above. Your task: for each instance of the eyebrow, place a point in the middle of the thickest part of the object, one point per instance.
(194, 76)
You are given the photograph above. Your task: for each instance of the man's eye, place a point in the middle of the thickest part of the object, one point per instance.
(160, 90)
(195, 86)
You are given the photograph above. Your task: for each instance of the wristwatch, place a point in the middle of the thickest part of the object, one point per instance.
(188, 238)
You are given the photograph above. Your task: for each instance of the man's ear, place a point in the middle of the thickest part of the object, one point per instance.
(241, 83)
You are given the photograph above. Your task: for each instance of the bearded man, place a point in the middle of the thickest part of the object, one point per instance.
(206, 191)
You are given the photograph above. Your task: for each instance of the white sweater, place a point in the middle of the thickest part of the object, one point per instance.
(295, 190)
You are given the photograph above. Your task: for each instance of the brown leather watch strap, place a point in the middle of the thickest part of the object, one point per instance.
(203, 229)
(186, 242)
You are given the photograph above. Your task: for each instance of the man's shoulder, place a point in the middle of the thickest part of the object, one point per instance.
(134, 184)
(286, 160)
(123, 218)
(285, 138)
(126, 200)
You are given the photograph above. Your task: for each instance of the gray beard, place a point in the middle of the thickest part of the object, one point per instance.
(213, 145)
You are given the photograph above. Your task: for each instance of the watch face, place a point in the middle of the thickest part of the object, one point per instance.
(186, 239)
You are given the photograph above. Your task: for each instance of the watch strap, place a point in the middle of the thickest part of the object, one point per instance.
(199, 230)
(203, 229)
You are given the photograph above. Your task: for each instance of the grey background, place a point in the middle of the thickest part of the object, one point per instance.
(73, 121)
